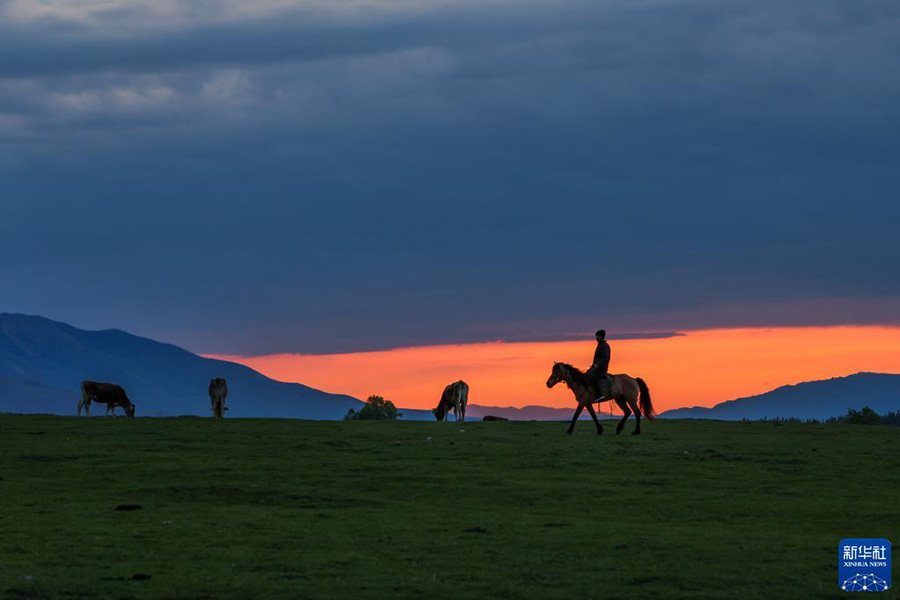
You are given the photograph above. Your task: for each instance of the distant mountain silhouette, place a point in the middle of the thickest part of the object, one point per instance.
(532, 412)
(809, 400)
(42, 363)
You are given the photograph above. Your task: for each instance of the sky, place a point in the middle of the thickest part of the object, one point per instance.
(322, 178)
(696, 368)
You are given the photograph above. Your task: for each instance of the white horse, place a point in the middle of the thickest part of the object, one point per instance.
(455, 396)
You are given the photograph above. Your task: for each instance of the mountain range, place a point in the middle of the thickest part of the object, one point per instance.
(531, 412)
(808, 400)
(42, 363)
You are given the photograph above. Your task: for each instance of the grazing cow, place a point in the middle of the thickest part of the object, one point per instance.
(455, 396)
(110, 394)
(218, 391)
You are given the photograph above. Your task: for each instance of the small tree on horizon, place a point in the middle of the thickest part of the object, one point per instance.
(866, 416)
(376, 408)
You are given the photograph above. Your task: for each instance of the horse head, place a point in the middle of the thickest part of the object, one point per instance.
(557, 374)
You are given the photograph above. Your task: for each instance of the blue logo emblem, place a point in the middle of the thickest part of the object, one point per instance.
(864, 565)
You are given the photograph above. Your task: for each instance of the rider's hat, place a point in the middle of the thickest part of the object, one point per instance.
(601, 333)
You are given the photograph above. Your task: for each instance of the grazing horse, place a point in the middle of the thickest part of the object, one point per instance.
(624, 389)
(455, 396)
(110, 394)
(218, 391)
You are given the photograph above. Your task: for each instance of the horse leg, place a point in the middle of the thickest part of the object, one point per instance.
(575, 417)
(596, 420)
(626, 412)
(637, 415)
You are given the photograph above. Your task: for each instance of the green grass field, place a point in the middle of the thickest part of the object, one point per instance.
(300, 509)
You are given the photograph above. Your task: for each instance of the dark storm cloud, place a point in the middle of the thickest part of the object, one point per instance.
(310, 181)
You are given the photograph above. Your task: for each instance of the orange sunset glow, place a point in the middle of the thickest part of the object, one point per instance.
(697, 368)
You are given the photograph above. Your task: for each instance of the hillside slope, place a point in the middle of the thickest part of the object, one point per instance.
(808, 400)
(42, 363)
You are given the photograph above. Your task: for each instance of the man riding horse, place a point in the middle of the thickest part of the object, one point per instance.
(599, 371)
(630, 393)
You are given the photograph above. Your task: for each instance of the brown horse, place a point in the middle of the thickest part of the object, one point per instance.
(625, 390)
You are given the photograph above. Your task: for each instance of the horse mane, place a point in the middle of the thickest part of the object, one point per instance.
(569, 367)
(575, 372)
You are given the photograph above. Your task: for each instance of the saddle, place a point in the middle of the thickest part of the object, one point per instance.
(605, 386)
(603, 383)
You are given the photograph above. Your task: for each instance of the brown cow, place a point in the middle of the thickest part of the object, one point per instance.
(110, 394)
(455, 396)
(218, 391)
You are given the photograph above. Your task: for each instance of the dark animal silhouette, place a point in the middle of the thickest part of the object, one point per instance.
(110, 394)
(218, 391)
(599, 371)
(630, 393)
(455, 396)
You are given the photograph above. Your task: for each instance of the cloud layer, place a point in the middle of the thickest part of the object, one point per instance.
(291, 176)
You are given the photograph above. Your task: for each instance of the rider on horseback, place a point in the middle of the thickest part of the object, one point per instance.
(599, 371)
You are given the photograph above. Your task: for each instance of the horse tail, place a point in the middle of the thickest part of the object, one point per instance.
(646, 403)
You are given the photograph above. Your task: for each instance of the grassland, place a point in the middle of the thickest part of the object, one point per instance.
(299, 509)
